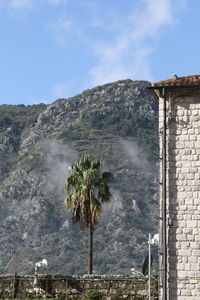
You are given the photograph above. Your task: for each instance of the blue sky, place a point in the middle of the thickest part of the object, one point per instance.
(54, 49)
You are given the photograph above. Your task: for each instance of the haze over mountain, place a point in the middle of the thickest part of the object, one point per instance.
(116, 123)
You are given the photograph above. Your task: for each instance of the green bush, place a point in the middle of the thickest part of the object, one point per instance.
(92, 295)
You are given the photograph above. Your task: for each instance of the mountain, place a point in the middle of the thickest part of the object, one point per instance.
(116, 123)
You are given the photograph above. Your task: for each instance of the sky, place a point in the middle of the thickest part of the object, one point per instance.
(52, 49)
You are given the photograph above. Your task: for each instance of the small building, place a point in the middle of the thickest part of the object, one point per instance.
(179, 131)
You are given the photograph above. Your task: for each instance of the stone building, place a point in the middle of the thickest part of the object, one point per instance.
(179, 129)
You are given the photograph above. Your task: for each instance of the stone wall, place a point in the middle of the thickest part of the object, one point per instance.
(183, 192)
(74, 287)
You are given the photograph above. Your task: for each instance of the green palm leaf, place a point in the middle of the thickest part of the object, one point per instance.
(86, 190)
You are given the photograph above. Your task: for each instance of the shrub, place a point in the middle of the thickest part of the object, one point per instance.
(92, 295)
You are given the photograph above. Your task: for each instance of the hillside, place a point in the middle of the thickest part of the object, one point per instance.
(116, 123)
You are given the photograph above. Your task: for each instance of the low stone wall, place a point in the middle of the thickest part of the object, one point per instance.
(74, 287)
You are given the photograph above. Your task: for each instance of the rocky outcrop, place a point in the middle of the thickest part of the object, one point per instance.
(116, 123)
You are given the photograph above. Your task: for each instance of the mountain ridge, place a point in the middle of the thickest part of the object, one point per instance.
(116, 123)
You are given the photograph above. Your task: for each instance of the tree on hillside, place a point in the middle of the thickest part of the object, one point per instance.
(87, 188)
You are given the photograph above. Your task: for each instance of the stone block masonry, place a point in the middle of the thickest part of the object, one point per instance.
(183, 191)
(74, 287)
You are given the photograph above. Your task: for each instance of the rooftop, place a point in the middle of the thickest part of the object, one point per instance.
(179, 81)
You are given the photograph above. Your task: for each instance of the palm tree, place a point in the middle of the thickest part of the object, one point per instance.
(87, 189)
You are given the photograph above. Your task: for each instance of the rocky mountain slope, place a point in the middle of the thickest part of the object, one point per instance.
(116, 123)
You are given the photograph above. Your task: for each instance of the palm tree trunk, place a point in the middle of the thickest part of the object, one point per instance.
(90, 250)
(90, 240)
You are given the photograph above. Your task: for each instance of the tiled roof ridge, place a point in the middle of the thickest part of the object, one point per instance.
(184, 80)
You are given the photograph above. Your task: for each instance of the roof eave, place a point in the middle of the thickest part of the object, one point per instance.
(159, 87)
(174, 86)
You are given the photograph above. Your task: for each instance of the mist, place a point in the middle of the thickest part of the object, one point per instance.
(135, 154)
(57, 159)
(113, 207)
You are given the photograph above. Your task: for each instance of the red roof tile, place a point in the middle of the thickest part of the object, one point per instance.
(186, 80)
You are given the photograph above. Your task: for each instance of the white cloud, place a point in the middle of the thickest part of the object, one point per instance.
(28, 5)
(122, 44)
(57, 2)
(127, 54)
(62, 24)
(18, 8)
(61, 28)
(20, 4)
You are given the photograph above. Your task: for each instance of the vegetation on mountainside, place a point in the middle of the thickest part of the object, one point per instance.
(13, 119)
(19, 115)
(118, 124)
(140, 128)
(87, 190)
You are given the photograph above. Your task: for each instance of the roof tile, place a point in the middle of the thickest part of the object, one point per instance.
(186, 80)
